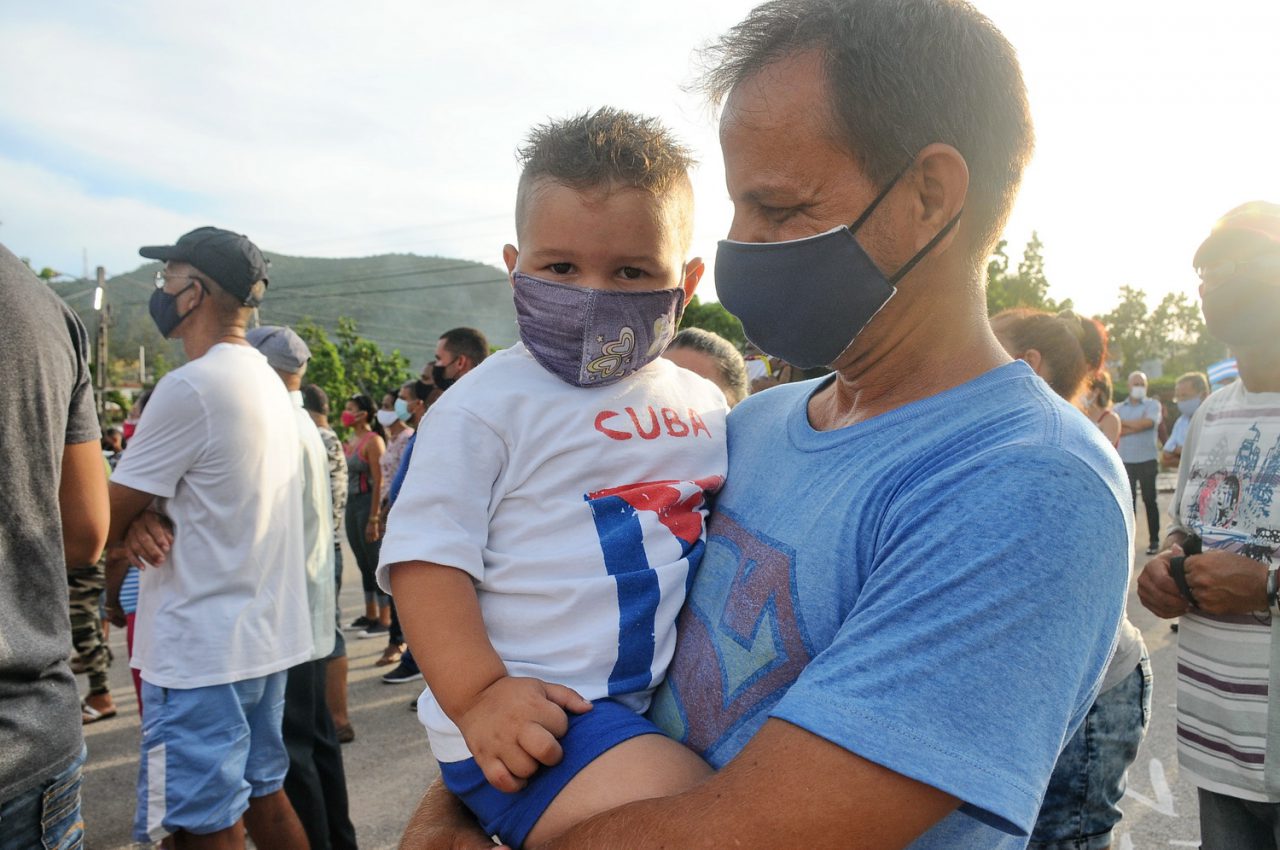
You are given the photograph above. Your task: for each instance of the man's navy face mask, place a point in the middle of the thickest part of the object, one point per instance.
(806, 300)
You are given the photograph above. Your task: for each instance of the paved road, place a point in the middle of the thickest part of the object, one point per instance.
(389, 764)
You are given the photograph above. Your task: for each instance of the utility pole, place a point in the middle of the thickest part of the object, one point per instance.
(104, 315)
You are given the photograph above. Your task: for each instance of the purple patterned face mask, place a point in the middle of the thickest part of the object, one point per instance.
(594, 337)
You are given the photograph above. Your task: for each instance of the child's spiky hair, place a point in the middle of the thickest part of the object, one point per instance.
(607, 148)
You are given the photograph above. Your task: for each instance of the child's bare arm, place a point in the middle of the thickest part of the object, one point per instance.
(511, 725)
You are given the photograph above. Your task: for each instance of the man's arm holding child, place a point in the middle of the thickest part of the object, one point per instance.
(511, 725)
(787, 788)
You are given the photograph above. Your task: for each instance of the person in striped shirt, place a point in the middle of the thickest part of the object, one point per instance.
(1218, 570)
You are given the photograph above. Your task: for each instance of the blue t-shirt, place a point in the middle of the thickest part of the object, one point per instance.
(401, 471)
(936, 589)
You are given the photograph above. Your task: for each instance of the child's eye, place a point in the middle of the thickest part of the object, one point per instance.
(631, 272)
(561, 268)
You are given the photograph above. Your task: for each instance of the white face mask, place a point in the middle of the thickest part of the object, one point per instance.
(1137, 393)
(387, 418)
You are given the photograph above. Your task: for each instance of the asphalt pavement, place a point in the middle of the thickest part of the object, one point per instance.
(388, 764)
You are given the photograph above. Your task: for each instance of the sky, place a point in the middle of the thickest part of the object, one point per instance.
(337, 129)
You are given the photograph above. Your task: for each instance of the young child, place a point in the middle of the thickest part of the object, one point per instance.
(554, 509)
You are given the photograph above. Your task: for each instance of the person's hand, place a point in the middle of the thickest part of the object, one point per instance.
(441, 822)
(148, 540)
(1158, 591)
(115, 613)
(512, 727)
(373, 530)
(1225, 583)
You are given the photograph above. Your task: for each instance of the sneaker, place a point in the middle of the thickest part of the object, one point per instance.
(402, 674)
(375, 630)
(359, 624)
(1153, 549)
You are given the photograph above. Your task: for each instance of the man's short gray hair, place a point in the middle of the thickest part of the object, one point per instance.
(1198, 380)
(903, 74)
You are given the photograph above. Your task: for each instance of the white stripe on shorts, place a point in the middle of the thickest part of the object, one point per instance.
(155, 792)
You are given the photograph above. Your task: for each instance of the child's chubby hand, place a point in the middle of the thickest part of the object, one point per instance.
(512, 727)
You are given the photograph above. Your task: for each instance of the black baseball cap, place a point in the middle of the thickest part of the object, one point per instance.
(229, 258)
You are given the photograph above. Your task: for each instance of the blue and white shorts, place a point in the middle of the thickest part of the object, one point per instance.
(205, 752)
(512, 816)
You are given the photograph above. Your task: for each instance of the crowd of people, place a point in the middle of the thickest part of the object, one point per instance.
(881, 604)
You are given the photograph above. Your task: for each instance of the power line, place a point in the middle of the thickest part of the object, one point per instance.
(361, 293)
(388, 275)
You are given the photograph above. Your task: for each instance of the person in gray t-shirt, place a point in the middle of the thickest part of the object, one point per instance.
(55, 516)
(1139, 418)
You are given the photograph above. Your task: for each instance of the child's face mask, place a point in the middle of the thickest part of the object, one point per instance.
(594, 337)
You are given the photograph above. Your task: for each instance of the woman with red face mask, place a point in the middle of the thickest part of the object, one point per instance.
(364, 448)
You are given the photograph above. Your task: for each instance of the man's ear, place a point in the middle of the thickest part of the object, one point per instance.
(693, 271)
(509, 256)
(1034, 360)
(194, 301)
(940, 182)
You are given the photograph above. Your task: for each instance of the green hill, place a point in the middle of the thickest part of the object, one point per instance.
(400, 301)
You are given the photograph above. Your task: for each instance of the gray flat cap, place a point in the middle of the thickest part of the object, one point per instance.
(284, 349)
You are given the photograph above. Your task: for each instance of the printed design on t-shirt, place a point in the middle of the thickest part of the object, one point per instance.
(649, 424)
(640, 525)
(1230, 491)
(733, 664)
(614, 355)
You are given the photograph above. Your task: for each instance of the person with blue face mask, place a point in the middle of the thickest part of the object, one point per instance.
(876, 651)
(1190, 390)
(553, 512)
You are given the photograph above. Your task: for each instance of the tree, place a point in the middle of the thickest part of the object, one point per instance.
(1029, 287)
(712, 316)
(325, 368)
(46, 274)
(368, 370)
(354, 365)
(1173, 333)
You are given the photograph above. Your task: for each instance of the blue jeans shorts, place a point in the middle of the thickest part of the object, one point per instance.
(512, 816)
(205, 752)
(1081, 806)
(47, 816)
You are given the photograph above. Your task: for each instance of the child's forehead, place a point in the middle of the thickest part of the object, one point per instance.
(546, 195)
(548, 202)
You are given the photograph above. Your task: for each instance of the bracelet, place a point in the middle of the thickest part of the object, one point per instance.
(1178, 570)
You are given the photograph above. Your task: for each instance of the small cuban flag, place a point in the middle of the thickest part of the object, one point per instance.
(1223, 372)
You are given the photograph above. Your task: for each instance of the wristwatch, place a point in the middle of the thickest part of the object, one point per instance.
(1273, 589)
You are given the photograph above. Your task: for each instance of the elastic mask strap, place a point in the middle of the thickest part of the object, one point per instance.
(884, 193)
(923, 252)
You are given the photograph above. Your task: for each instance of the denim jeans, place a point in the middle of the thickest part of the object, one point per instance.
(47, 816)
(1082, 803)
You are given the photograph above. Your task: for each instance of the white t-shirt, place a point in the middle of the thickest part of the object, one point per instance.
(577, 512)
(317, 531)
(218, 444)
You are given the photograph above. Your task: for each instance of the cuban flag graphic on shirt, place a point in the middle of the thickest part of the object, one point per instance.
(645, 530)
